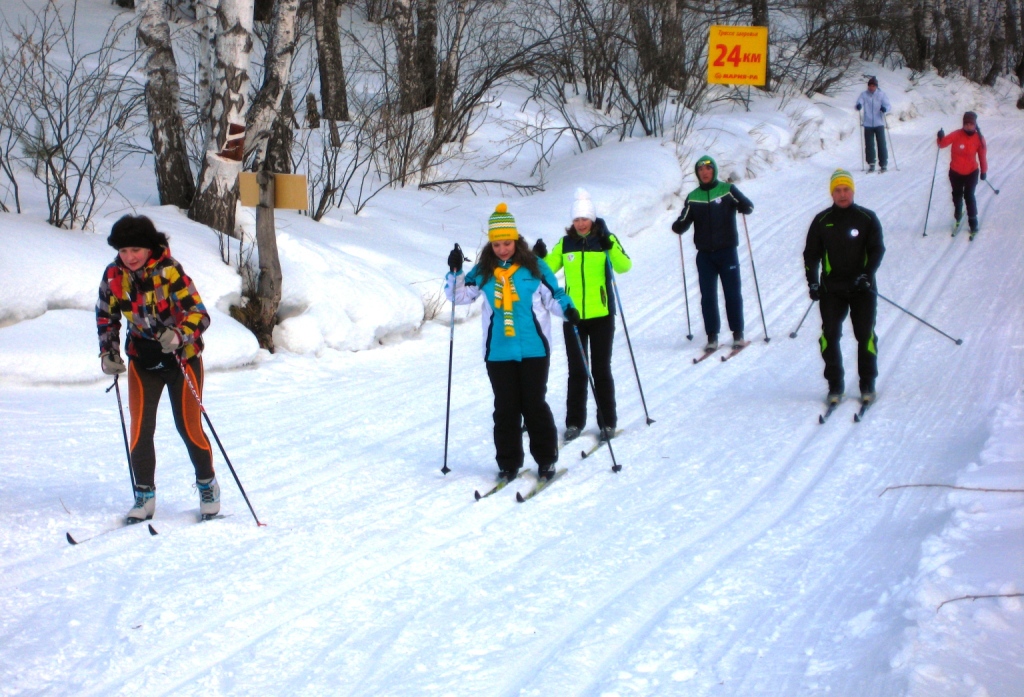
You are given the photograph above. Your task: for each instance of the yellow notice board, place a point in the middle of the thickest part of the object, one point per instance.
(737, 55)
(289, 190)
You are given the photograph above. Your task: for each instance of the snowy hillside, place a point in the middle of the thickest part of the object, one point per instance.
(743, 549)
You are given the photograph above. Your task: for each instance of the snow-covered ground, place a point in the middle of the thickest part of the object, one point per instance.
(743, 549)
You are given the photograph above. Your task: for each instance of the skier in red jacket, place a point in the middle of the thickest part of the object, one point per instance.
(968, 152)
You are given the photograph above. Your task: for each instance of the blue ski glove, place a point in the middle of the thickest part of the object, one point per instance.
(858, 107)
(882, 109)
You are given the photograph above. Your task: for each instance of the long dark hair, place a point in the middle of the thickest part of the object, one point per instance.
(488, 261)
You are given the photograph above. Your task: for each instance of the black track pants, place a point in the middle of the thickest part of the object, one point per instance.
(520, 390)
(144, 390)
(597, 336)
(724, 264)
(963, 190)
(861, 308)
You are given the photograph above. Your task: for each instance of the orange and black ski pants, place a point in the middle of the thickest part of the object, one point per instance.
(144, 390)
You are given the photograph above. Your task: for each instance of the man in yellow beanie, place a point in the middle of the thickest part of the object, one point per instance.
(845, 240)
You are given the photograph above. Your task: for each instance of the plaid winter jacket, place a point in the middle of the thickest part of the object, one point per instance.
(156, 296)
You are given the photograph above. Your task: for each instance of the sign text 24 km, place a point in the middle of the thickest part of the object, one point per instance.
(737, 55)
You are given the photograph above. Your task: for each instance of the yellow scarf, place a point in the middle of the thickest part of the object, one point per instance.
(504, 295)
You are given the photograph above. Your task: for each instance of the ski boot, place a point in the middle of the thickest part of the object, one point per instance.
(145, 505)
(209, 497)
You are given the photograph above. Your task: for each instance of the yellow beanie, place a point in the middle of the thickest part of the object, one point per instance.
(839, 178)
(501, 225)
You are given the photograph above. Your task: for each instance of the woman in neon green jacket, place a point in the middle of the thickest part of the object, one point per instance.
(588, 253)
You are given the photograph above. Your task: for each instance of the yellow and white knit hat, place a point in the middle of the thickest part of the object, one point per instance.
(501, 225)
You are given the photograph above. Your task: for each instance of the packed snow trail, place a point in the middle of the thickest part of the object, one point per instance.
(743, 546)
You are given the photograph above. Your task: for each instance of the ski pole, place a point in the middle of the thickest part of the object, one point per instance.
(124, 431)
(992, 187)
(892, 149)
(445, 469)
(750, 249)
(930, 192)
(618, 300)
(195, 393)
(955, 341)
(860, 129)
(586, 366)
(686, 295)
(792, 334)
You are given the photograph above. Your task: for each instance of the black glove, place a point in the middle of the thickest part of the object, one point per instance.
(942, 134)
(677, 226)
(540, 250)
(814, 290)
(858, 107)
(606, 242)
(862, 283)
(983, 175)
(455, 259)
(882, 109)
(572, 316)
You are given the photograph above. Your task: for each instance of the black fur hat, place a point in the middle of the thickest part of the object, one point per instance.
(137, 231)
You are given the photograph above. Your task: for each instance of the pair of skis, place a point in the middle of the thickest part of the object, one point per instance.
(542, 484)
(956, 228)
(709, 352)
(152, 531)
(864, 406)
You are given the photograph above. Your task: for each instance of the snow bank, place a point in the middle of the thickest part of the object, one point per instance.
(978, 553)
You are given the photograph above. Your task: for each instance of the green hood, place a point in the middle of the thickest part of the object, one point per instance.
(706, 160)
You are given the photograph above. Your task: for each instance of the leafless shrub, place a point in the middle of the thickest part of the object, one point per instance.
(73, 113)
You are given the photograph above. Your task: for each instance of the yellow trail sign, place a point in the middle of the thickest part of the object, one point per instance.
(737, 55)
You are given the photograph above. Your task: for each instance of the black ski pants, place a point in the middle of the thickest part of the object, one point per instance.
(520, 391)
(861, 307)
(963, 190)
(144, 390)
(724, 264)
(597, 336)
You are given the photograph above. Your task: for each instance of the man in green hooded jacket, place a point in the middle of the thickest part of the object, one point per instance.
(711, 209)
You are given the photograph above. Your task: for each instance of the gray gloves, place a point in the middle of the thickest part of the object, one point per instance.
(170, 339)
(111, 364)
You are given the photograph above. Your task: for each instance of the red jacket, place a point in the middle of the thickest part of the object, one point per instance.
(968, 150)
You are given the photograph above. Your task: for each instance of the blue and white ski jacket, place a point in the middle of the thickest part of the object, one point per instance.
(539, 298)
(872, 105)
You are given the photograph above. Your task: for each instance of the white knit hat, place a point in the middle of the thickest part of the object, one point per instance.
(583, 207)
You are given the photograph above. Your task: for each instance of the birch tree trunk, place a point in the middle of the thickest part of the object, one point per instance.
(409, 88)
(216, 197)
(333, 100)
(426, 50)
(277, 72)
(448, 79)
(206, 38)
(282, 136)
(270, 279)
(174, 180)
